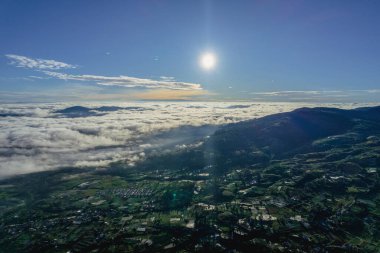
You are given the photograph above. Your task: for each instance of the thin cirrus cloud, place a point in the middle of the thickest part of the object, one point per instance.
(167, 78)
(319, 95)
(127, 81)
(292, 92)
(37, 64)
(315, 92)
(48, 67)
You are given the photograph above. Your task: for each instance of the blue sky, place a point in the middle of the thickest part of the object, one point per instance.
(290, 50)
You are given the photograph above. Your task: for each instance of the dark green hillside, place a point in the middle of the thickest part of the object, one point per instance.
(286, 134)
(280, 134)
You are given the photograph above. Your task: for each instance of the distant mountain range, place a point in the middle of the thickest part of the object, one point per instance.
(81, 111)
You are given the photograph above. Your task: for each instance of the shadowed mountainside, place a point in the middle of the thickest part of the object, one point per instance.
(281, 134)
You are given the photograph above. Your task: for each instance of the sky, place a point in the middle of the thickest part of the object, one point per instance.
(264, 50)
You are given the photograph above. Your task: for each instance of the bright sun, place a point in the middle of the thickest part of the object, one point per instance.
(207, 61)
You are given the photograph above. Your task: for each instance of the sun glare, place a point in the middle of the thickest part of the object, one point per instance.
(208, 61)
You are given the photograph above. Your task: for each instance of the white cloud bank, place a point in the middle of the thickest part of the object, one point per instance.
(33, 138)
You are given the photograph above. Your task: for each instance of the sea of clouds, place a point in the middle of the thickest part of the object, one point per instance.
(35, 137)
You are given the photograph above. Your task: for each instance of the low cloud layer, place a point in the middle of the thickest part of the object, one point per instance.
(34, 137)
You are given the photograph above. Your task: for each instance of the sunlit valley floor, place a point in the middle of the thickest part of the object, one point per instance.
(189, 177)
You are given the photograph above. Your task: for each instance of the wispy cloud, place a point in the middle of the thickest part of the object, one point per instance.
(316, 95)
(313, 92)
(38, 64)
(368, 91)
(292, 92)
(127, 81)
(167, 78)
(163, 94)
(48, 66)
